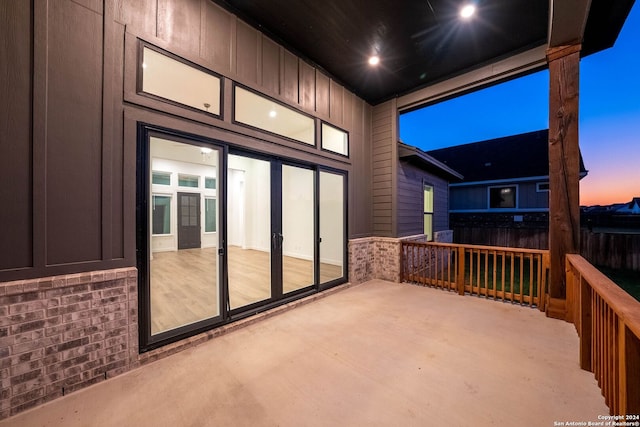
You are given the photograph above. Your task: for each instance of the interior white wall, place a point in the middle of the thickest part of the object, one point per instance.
(177, 158)
(256, 210)
(297, 212)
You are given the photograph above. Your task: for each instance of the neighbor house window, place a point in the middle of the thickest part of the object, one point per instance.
(161, 214)
(210, 217)
(210, 183)
(188, 181)
(263, 113)
(168, 78)
(161, 178)
(542, 186)
(335, 140)
(427, 191)
(502, 197)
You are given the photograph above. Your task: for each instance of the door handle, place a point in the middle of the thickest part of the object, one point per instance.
(276, 240)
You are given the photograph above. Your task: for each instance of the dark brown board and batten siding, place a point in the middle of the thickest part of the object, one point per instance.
(16, 62)
(67, 158)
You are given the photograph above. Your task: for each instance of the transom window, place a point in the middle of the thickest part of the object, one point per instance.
(188, 181)
(161, 178)
(334, 139)
(177, 81)
(263, 113)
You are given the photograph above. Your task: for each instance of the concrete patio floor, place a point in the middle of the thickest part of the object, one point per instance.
(376, 354)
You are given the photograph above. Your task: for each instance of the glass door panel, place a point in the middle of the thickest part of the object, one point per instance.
(297, 228)
(332, 231)
(183, 258)
(248, 230)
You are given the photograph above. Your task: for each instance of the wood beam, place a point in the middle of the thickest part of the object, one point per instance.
(564, 166)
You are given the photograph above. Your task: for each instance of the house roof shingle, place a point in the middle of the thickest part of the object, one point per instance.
(517, 156)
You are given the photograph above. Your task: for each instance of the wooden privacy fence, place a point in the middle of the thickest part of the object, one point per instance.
(608, 323)
(508, 274)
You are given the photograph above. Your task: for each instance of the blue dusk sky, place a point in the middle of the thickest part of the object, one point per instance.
(609, 117)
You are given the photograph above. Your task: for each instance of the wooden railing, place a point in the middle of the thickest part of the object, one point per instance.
(509, 274)
(608, 323)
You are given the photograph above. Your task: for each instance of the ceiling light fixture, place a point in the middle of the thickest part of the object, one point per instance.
(374, 60)
(467, 11)
(272, 113)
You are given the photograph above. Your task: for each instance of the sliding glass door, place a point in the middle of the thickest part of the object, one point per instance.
(183, 262)
(271, 234)
(332, 226)
(222, 235)
(298, 230)
(249, 240)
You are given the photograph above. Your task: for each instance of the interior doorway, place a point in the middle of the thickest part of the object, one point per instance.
(188, 220)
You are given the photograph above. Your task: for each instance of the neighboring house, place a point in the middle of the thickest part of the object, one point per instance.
(631, 208)
(505, 184)
(423, 196)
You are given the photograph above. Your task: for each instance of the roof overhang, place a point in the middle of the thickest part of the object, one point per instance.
(424, 161)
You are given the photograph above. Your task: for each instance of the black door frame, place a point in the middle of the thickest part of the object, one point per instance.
(146, 340)
(149, 342)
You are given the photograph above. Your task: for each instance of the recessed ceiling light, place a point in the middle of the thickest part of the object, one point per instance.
(374, 60)
(467, 11)
(272, 113)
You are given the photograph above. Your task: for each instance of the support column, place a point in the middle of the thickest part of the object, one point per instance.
(564, 169)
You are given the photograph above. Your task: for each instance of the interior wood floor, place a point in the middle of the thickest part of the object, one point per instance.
(184, 286)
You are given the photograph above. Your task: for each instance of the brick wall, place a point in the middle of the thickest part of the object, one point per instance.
(59, 334)
(63, 333)
(374, 258)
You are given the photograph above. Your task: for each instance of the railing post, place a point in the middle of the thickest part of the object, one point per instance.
(460, 272)
(629, 370)
(584, 318)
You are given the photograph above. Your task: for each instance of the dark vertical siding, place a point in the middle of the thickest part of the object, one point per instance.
(216, 37)
(270, 66)
(529, 197)
(16, 244)
(73, 134)
(410, 200)
(247, 53)
(290, 77)
(71, 202)
(179, 23)
(322, 94)
(471, 197)
(337, 103)
(307, 86)
(140, 16)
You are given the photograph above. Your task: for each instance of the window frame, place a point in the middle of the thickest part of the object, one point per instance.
(215, 223)
(539, 188)
(142, 44)
(235, 121)
(425, 213)
(322, 124)
(515, 197)
(181, 176)
(168, 196)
